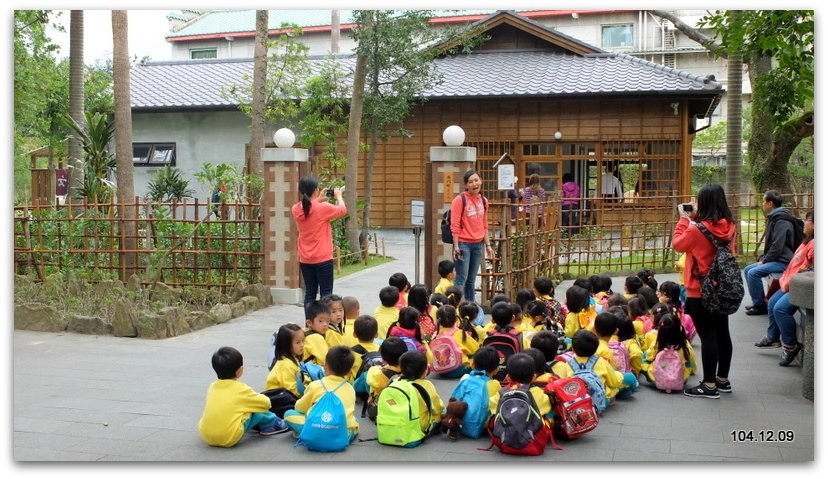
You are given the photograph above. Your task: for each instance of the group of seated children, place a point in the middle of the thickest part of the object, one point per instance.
(595, 334)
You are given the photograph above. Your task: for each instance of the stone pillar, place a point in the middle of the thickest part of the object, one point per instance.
(444, 180)
(283, 167)
(802, 295)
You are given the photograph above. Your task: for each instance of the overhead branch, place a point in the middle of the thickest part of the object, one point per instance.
(692, 33)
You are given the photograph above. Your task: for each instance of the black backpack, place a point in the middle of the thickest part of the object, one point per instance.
(445, 223)
(798, 230)
(722, 289)
(281, 400)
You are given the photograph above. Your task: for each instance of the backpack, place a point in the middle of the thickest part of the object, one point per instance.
(473, 391)
(622, 356)
(308, 373)
(574, 411)
(689, 327)
(369, 407)
(506, 345)
(556, 311)
(798, 229)
(374, 358)
(445, 223)
(517, 427)
(722, 289)
(447, 354)
(326, 426)
(281, 400)
(412, 344)
(398, 414)
(595, 386)
(668, 370)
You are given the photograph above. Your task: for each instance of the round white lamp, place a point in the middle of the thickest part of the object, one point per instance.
(454, 136)
(558, 135)
(284, 138)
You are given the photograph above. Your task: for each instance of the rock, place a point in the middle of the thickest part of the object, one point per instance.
(38, 317)
(261, 292)
(176, 321)
(164, 293)
(222, 313)
(134, 283)
(123, 321)
(151, 325)
(200, 320)
(89, 325)
(237, 309)
(76, 287)
(251, 303)
(110, 287)
(237, 291)
(53, 284)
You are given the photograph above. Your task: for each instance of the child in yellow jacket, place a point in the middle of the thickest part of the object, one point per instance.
(670, 334)
(521, 371)
(365, 331)
(351, 306)
(414, 367)
(338, 363)
(585, 344)
(231, 407)
(317, 317)
(335, 335)
(581, 315)
(463, 334)
(387, 312)
(290, 347)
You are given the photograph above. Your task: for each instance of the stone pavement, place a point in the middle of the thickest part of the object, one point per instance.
(90, 398)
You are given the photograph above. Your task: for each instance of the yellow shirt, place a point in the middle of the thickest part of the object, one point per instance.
(605, 352)
(689, 361)
(316, 348)
(348, 338)
(611, 378)
(377, 380)
(527, 323)
(369, 348)
(436, 404)
(561, 369)
(443, 285)
(649, 339)
(316, 390)
(283, 375)
(228, 405)
(334, 337)
(385, 316)
(636, 355)
(577, 321)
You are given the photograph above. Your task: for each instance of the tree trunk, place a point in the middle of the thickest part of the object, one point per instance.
(335, 32)
(352, 166)
(786, 139)
(257, 126)
(733, 181)
(76, 101)
(123, 141)
(369, 173)
(760, 142)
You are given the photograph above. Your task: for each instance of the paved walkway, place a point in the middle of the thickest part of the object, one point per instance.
(91, 398)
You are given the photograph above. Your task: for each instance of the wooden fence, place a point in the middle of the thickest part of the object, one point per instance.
(605, 237)
(181, 244)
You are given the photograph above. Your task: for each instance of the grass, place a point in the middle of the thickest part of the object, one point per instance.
(632, 262)
(373, 260)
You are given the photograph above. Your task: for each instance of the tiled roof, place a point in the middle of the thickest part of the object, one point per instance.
(199, 83)
(234, 21)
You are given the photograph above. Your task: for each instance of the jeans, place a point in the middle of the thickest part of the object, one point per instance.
(714, 333)
(569, 218)
(753, 277)
(781, 322)
(318, 277)
(467, 266)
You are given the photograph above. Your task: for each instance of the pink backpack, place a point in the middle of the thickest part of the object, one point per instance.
(447, 354)
(668, 370)
(622, 356)
(689, 327)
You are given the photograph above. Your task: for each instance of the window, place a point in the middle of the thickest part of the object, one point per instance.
(153, 154)
(203, 53)
(617, 36)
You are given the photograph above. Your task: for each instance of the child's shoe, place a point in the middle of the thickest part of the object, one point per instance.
(279, 426)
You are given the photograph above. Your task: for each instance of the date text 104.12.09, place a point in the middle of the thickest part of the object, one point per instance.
(762, 435)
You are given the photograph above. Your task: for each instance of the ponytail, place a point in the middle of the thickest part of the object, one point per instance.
(307, 187)
(306, 205)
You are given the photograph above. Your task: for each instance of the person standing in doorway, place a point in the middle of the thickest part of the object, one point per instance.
(611, 189)
(313, 215)
(713, 214)
(534, 193)
(570, 197)
(470, 228)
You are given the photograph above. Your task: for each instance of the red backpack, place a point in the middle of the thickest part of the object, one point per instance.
(574, 413)
(506, 344)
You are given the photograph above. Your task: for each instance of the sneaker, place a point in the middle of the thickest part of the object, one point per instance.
(278, 427)
(789, 354)
(767, 343)
(702, 391)
(757, 309)
(723, 386)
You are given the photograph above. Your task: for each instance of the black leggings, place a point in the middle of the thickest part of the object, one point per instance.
(714, 333)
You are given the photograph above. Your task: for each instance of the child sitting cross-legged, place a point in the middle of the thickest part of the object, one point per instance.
(474, 398)
(548, 343)
(414, 367)
(338, 364)
(290, 347)
(585, 344)
(606, 325)
(365, 332)
(387, 312)
(445, 269)
(580, 315)
(670, 336)
(455, 335)
(231, 407)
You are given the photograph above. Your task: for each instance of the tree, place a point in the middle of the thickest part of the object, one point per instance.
(123, 140)
(399, 48)
(352, 164)
(778, 47)
(76, 104)
(258, 103)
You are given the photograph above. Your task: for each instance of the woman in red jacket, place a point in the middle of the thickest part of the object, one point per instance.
(470, 228)
(712, 211)
(313, 215)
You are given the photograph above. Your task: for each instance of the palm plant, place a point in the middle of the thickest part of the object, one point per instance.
(168, 186)
(98, 162)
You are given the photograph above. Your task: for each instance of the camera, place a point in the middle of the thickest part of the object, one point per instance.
(329, 193)
(686, 207)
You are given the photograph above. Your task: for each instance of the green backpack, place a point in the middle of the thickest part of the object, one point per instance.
(398, 414)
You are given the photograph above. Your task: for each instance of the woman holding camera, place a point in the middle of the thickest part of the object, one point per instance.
(313, 215)
(711, 212)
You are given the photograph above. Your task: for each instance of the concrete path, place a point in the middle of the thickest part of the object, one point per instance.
(90, 398)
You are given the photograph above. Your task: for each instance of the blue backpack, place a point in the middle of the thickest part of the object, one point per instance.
(308, 373)
(595, 386)
(473, 391)
(326, 427)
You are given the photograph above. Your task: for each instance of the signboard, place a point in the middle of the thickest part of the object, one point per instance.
(505, 176)
(61, 182)
(448, 187)
(418, 212)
